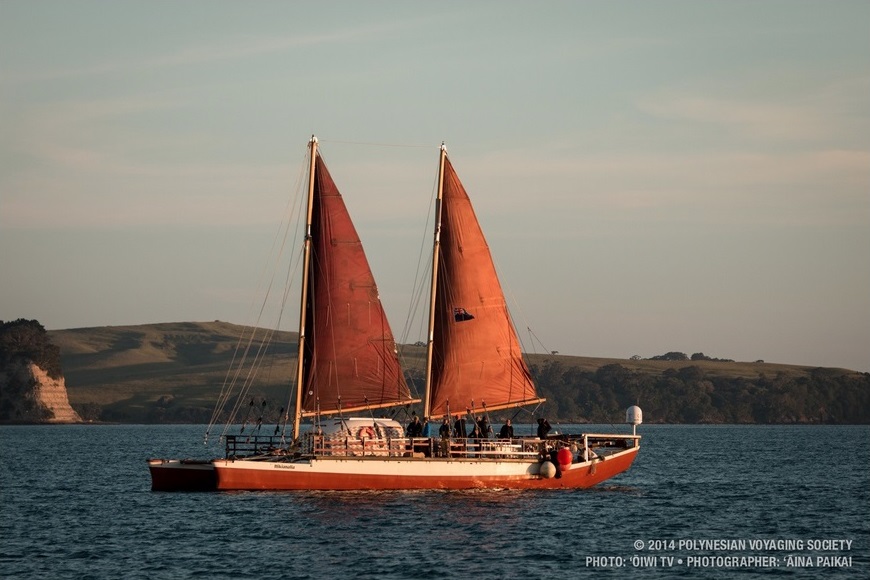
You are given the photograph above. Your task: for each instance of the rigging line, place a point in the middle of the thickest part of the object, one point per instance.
(278, 422)
(237, 373)
(419, 279)
(269, 353)
(534, 337)
(241, 354)
(234, 370)
(291, 276)
(244, 390)
(414, 299)
(508, 289)
(290, 398)
(299, 240)
(531, 339)
(273, 332)
(417, 302)
(257, 358)
(373, 144)
(283, 227)
(221, 395)
(254, 368)
(255, 365)
(287, 212)
(238, 370)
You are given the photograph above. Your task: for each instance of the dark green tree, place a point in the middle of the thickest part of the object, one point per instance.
(28, 340)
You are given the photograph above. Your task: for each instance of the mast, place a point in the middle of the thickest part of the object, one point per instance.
(435, 256)
(303, 301)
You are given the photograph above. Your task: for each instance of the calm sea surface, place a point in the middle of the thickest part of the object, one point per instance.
(75, 502)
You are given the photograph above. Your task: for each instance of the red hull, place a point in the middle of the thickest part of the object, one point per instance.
(579, 476)
(182, 475)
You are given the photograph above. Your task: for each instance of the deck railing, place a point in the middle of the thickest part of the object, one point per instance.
(424, 447)
(253, 445)
(589, 445)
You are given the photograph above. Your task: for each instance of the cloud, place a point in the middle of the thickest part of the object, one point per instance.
(830, 110)
(238, 47)
(747, 119)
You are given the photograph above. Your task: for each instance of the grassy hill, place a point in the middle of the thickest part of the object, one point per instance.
(164, 372)
(173, 372)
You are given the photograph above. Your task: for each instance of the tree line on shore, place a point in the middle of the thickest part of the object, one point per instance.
(690, 395)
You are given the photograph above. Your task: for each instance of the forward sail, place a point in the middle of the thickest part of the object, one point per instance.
(476, 360)
(348, 353)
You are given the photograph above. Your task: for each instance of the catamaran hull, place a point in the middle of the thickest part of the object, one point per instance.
(182, 475)
(394, 473)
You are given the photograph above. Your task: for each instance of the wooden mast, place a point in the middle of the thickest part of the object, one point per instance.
(303, 301)
(436, 247)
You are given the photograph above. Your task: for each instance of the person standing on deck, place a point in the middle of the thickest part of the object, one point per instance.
(415, 428)
(459, 428)
(483, 427)
(543, 428)
(507, 431)
(444, 431)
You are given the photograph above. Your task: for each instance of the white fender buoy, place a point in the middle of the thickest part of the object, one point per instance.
(548, 470)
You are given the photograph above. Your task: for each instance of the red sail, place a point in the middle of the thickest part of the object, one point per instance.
(477, 359)
(350, 361)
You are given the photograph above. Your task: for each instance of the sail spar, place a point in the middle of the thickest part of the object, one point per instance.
(476, 357)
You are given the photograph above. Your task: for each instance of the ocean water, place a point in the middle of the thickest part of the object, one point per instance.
(75, 502)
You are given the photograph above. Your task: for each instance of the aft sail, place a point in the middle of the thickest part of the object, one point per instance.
(476, 360)
(347, 351)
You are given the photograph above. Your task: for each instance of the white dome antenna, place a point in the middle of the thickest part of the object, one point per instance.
(634, 417)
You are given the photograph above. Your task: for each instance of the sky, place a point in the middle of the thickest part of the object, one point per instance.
(651, 176)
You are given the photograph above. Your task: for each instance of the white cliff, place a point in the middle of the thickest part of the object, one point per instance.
(29, 395)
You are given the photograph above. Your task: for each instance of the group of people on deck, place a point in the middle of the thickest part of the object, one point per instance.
(481, 429)
(422, 433)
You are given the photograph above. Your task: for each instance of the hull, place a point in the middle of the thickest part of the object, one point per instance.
(402, 473)
(182, 475)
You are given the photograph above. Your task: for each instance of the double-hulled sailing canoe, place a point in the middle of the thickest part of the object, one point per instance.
(474, 363)
(349, 366)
